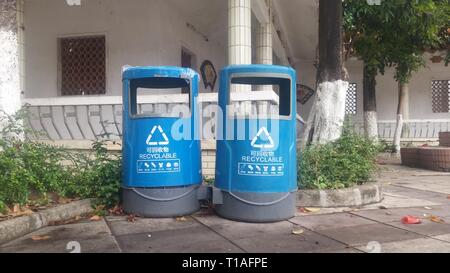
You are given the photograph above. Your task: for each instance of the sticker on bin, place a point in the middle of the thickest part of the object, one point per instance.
(158, 166)
(261, 169)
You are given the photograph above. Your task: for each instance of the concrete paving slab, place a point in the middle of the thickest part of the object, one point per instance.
(289, 243)
(327, 221)
(363, 234)
(148, 225)
(396, 214)
(436, 197)
(402, 201)
(420, 245)
(341, 250)
(239, 230)
(386, 215)
(442, 211)
(443, 237)
(433, 184)
(91, 236)
(188, 240)
(427, 227)
(322, 211)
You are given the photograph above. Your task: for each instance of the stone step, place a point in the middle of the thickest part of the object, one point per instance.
(431, 158)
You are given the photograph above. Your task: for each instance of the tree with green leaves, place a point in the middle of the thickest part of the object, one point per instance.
(396, 33)
(363, 24)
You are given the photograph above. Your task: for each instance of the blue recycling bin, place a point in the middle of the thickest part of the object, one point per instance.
(256, 162)
(161, 149)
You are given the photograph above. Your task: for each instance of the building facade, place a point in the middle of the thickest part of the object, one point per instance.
(64, 58)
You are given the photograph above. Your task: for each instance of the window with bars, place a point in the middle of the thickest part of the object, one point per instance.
(351, 100)
(440, 92)
(82, 65)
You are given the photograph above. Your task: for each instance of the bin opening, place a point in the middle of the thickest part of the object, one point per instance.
(276, 109)
(146, 97)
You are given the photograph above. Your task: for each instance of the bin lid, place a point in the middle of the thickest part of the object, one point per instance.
(140, 72)
(259, 68)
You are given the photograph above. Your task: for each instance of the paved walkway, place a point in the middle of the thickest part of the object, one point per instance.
(374, 228)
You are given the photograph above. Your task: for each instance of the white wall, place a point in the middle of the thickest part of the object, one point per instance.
(420, 89)
(138, 32)
(420, 105)
(306, 75)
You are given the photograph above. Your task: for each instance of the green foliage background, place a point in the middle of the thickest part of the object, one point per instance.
(32, 168)
(396, 33)
(349, 161)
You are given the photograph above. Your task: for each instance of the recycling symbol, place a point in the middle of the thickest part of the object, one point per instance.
(255, 141)
(150, 136)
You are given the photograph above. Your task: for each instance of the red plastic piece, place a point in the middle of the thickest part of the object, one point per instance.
(411, 220)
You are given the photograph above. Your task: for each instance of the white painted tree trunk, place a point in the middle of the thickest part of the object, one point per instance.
(10, 89)
(402, 110)
(371, 125)
(398, 133)
(9, 72)
(329, 111)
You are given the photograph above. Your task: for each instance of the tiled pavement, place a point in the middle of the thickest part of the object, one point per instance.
(371, 228)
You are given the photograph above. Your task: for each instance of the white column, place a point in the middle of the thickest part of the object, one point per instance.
(239, 32)
(240, 36)
(264, 44)
(264, 48)
(10, 91)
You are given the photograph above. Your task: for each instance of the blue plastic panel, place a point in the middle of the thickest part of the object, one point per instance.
(266, 160)
(151, 155)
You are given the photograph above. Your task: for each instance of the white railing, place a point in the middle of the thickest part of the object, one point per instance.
(414, 129)
(100, 117)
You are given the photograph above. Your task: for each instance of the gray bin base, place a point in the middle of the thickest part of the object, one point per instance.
(160, 202)
(256, 207)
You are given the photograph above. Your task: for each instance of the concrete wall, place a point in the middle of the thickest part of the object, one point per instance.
(142, 32)
(138, 32)
(420, 90)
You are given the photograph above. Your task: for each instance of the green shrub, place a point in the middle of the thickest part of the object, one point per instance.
(28, 167)
(349, 161)
(100, 177)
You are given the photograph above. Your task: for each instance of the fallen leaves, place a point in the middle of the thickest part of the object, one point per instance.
(131, 218)
(181, 219)
(116, 211)
(95, 218)
(40, 237)
(308, 210)
(411, 220)
(436, 219)
(18, 211)
(63, 200)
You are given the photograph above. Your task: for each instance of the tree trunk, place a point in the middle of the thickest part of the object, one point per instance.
(405, 112)
(370, 103)
(328, 112)
(402, 103)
